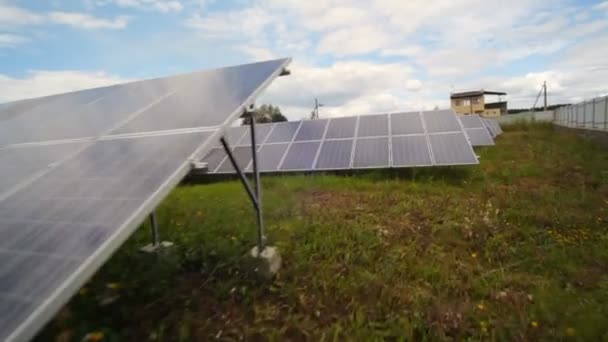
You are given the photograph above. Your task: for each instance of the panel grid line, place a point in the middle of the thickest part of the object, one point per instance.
(295, 133)
(314, 163)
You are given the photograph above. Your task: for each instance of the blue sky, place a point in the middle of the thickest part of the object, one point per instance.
(355, 56)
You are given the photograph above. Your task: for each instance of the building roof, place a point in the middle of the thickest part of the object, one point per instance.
(475, 93)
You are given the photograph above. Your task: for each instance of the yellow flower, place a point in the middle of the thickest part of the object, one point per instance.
(480, 306)
(483, 325)
(113, 286)
(83, 291)
(95, 336)
(473, 255)
(534, 324)
(570, 331)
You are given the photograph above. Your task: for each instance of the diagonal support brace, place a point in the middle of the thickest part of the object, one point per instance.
(255, 193)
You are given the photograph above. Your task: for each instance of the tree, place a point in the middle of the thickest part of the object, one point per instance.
(266, 113)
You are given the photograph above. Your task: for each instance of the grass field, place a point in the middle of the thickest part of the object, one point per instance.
(513, 249)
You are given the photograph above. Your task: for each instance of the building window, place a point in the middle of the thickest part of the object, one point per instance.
(476, 100)
(458, 102)
(466, 102)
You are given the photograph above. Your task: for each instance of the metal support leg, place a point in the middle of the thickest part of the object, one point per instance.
(154, 227)
(258, 187)
(156, 244)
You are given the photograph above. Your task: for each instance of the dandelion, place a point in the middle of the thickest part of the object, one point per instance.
(483, 325)
(474, 255)
(113, 286)
(534, 324)
(481, 306)
(570, 331)
(95, 336)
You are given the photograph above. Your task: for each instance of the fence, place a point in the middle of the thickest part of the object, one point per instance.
(526, 116)
(592, 114)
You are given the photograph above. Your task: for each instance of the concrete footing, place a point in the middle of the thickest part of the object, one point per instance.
(151, 248)
(267, 263)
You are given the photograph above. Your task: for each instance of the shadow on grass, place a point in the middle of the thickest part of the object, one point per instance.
(448, 174)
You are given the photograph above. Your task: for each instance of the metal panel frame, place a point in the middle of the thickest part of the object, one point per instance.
(61, 295)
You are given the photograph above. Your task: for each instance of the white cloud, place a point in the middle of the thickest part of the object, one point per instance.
(13, 15)
(343, 87)
(354, 41)
(86, 21)
(164, 6)
(249, 22)
(42, 83)
(8, 40)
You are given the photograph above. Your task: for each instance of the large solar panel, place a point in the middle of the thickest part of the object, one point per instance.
(359, 142)
(82, 170)
(476, 131)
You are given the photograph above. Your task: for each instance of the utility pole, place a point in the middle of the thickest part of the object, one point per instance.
(545, 90)
(315, 112)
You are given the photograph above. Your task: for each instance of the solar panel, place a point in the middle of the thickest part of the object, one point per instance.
(406, 123)
(311, 130)
(76, 188)
(341, 128)
(371, 153)
(335, 155)
(411, 150)
(479, 137)
(270, 156)
(438, 121)
(452, 149)
(389, 140)
(476, 131)
(261, 131)
(283, 132)
(300, 156)
(373, 125)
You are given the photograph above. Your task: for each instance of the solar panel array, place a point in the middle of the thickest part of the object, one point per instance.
(476, 130)
(80, 172)
(412, 139)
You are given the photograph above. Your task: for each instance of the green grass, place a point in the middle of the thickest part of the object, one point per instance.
(513, 249)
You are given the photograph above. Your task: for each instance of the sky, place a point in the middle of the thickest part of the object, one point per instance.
(355, 56)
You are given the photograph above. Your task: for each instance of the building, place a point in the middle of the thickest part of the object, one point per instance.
(474, 102)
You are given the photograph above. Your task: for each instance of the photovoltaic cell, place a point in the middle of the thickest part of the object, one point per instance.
(373, 125)
(311, 130)
(372, 152)
(341, 128)
(410, 151)
(438, 121)
(406, 123)
(283, 132)
(451, 149)
(300, 156)
(335, 154)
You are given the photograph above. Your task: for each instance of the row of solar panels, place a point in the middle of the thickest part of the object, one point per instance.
(412, 139)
